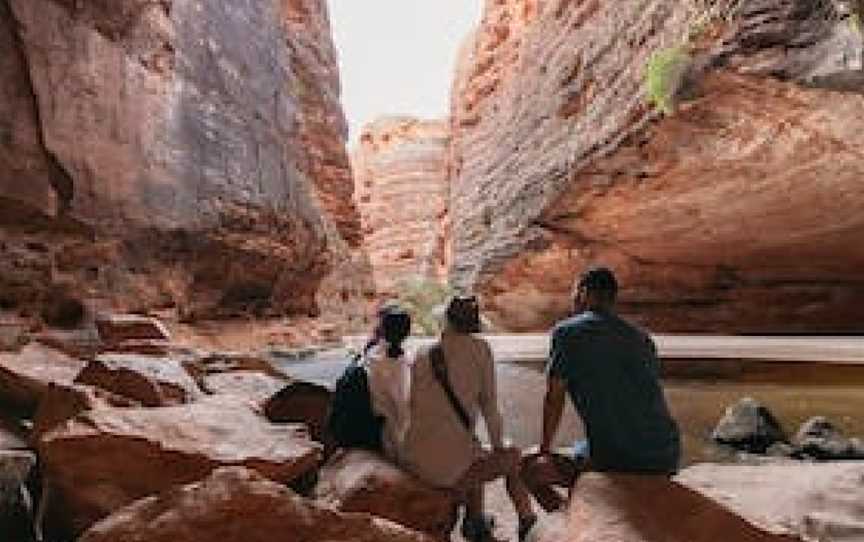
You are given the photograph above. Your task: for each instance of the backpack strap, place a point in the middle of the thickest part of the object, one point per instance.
(439, 369)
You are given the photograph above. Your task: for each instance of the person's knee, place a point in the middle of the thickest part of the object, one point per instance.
(509, 458)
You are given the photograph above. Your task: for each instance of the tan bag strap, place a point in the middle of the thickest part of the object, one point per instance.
(439, 369)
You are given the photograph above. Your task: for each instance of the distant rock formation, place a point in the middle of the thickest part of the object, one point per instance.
(172, 152)
(401, 193)
(739, 213)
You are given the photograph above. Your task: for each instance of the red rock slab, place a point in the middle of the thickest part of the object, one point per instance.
(200, 366)
(26, 375)
(634, 508)
(63, 402)
(143, 347)
(361, 481)
(116, 328)
(106, 458)
(252, 385)
(817, 501)
(239, 505)
(152, 381)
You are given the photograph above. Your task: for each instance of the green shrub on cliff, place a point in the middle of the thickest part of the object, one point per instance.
(423, 297)
(664, 75)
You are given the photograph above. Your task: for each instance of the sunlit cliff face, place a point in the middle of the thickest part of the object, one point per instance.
(736, 213)
(401, 193)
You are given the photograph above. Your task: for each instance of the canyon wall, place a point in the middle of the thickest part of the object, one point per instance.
(400, 180)
(174, 152)
(740, 212)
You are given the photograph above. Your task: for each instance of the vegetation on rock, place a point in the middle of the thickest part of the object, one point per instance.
(421, 297)
(664, 75)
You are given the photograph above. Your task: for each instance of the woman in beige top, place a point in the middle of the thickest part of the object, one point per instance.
(438, 447)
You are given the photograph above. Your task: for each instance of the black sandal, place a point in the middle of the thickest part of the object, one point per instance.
(479, 529)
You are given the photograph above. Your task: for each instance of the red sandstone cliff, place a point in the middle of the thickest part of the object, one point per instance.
(401, 192)
(740, 212)
(193, 150)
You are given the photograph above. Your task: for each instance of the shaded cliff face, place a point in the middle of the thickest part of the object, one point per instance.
(194, 150)
(741, 212)
(401, 191)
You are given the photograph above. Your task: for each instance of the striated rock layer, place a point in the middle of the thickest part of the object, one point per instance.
(401, 193)
(739, 213)
(193, 152)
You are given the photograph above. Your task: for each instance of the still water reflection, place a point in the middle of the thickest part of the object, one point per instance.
(697, 405)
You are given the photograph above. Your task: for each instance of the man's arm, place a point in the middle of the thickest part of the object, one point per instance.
(553, 408)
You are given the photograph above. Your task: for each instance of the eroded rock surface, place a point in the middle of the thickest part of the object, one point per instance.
(238, 505)
(360, 481)
(151, 381)
(813, 501)
(640, 509)
(400, 176)
(193, 150)
(106, 458)
(26, 375)
(738, 213)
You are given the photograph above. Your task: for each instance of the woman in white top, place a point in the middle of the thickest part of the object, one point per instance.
(388, 375)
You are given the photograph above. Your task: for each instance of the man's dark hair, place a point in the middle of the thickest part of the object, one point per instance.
(463, 314)
(599, 280)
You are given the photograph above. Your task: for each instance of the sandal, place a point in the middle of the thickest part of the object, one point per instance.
(478, 529)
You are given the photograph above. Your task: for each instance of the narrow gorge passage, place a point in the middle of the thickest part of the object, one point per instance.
(203, 205)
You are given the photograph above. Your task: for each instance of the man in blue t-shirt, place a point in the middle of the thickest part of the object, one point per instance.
(611, 371)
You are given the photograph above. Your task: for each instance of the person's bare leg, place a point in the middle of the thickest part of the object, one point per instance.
(519, 495)
(474, 502)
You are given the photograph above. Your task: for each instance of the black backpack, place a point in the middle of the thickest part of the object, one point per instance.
(352, 422)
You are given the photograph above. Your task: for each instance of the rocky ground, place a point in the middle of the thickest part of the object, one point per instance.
(131, 428)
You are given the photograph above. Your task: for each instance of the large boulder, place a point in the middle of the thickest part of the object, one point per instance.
(106, 458)
(634, 508)
(65, 401)
(26, 375)
(361, 481)
(152, 381)
(818, 502)
(301, 402)
(239, 505)
(821, 439)
(748, 426)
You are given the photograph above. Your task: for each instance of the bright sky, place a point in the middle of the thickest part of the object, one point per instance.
(397, 57)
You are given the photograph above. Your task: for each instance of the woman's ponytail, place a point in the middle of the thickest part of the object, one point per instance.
(395, 328)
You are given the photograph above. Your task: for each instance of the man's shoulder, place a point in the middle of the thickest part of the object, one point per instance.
(575, 324)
